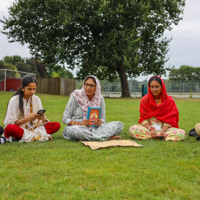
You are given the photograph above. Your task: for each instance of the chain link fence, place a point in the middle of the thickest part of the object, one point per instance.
(175, 88)
(10, 80)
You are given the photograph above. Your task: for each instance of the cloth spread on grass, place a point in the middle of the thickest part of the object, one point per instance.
(111, 143)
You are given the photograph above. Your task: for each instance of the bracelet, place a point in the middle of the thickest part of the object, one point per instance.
(73, 122)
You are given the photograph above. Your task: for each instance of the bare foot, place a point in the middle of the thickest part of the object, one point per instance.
(50, 138)
(115, 137)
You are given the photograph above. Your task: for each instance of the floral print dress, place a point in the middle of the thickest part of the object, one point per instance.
(141, 133)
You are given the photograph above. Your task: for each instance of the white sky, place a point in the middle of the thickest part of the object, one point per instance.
(184, 47)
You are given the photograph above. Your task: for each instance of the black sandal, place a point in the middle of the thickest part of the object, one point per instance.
(193, 133)
(1, 130)
(198, 139)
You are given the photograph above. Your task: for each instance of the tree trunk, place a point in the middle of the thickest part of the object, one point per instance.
(124, 82)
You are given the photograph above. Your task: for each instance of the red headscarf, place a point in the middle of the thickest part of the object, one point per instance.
(166, 111)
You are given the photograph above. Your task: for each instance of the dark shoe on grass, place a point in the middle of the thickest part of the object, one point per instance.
(198, 139)
(1, 130)
(193, 133)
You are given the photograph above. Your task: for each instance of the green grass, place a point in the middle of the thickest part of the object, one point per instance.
(61, 169)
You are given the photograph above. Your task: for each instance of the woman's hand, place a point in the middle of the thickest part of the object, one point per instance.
(31, 117)
(162, 133)
(98, 122)
(85, 122)
(41, 117)
(164, 129)
(153, 132)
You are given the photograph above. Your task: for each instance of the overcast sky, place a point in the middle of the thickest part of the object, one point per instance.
(184, 47)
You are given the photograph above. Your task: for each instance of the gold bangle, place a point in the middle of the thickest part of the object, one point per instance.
(72, 122)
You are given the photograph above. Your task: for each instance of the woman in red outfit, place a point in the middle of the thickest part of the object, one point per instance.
(22, 121)
(159, 115)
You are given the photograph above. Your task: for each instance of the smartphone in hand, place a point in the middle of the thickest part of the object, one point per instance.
(41, 111)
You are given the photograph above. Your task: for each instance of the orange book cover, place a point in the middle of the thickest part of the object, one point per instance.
(93, 114)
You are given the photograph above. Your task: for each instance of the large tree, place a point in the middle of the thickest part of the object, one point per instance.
(102, 37)
(185, 72)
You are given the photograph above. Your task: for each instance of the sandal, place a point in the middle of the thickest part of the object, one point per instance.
(193, 133)
(198, 139)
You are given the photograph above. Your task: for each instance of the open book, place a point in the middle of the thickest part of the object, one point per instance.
(93, 114)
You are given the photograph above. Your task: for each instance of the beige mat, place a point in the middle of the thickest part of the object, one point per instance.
(111, 143)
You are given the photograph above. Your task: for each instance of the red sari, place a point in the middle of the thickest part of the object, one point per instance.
(166, 111)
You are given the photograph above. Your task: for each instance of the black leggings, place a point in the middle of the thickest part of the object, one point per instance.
(1, 130)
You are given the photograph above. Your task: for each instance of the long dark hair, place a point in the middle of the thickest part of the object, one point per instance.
(25, 82)
(156, 78)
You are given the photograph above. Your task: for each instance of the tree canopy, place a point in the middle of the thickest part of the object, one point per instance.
(107, 38)
(32, 65)
(185, 72)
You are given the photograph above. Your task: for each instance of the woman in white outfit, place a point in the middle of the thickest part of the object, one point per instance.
(78, 127)
(22, 121)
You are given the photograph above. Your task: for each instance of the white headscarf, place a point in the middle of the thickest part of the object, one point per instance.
(83, 100)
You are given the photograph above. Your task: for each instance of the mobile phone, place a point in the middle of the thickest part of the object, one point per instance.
(41, 111)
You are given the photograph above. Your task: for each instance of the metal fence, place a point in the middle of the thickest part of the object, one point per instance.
(176, 88)
(9, 78)
(171, 86)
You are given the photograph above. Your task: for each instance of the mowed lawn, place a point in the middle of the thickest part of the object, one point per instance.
(61, 169)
